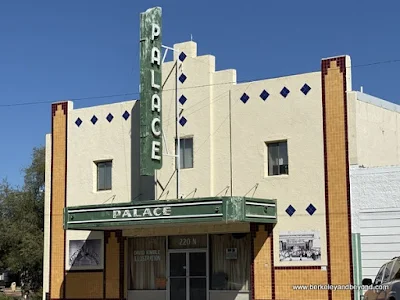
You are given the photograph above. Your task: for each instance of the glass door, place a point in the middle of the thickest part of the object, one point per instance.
(177, 276)
(197, 276)
(188, 275)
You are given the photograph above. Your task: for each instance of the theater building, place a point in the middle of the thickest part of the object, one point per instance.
(258, 201)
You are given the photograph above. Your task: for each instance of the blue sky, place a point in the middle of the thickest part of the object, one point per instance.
(55, 50)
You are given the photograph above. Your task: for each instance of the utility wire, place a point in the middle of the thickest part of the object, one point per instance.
(184, 88)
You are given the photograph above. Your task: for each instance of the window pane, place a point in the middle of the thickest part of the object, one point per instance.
(104, 174)
(178, 288)
(283, 154)
(386, 274)
(197, 264)
(198, 289)
(378, 277)
(283, 158)
(182, 153)
(227, 272)
(188, 153)
(273, 159)
(107, 180)
(147, 261)
(177, 262)
(396, 270)
(100, 176)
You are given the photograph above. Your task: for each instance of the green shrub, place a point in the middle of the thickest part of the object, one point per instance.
(5, 297)
(36, 296)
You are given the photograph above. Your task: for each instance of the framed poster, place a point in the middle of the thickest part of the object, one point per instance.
(86, 254)
(300, 246)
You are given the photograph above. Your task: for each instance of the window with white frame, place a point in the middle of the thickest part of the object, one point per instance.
(278, 162)
(104, 172)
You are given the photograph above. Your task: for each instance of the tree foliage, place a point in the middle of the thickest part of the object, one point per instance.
(22, 223)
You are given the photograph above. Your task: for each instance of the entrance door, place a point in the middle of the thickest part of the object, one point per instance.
(188, 275)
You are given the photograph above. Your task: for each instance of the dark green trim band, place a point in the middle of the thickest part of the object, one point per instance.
(200, 210)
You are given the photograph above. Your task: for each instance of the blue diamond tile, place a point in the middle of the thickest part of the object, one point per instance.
(93, 120)
(311, 209)
(182, 99)
(78, 122)
(244, 98)
(305, 89)
(182, 56)
(290, 210)
(110, 117)
(126, 115)
(182, 78)
(183, 121)
(264, 95)
(285, 92)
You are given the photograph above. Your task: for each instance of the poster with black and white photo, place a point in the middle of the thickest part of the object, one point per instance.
(85, 254)
(299, 246)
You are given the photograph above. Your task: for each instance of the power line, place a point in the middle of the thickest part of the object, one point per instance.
(193, 87)
(73, 99)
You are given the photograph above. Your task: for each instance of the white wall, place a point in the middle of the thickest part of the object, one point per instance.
(197, 110)
(380, 238)
(375, 194)
(118, 141)
(378, 131)
(373, 188)
(47, 194)
(103, 141)
(297, 119)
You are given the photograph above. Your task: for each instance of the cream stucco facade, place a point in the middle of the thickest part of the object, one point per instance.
(230, 139)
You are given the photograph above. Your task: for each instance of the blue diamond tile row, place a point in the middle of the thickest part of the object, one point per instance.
(284, 93)
(311, 209)
(182, 56)
(78, 122)
(94, 120)
(182, 99)
(290, 210)
(305, 89)
(245, 98)
(264, 95)
(182, 121)
(126, 115)
(109, 118)
(182, 78)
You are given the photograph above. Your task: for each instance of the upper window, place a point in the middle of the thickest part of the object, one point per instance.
(278, 163)
(104, 169)
(186, 153)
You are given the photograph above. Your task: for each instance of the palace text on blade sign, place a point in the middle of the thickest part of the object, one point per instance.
(155, 99)
(141, 212)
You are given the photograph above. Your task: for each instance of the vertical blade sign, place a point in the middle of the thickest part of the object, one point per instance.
(150, 92)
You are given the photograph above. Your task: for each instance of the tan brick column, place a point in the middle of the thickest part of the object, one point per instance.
(58, 199)
(262, 266)
(114, 265)
(337, 186)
